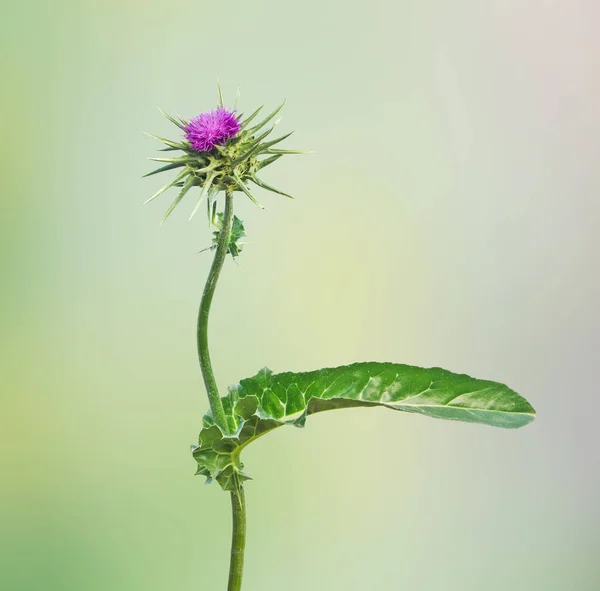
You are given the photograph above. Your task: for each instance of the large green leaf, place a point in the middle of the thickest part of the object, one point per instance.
(267, 401)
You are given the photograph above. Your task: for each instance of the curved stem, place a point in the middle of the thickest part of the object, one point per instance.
(238, 500)
(238, 540)
(212, 390)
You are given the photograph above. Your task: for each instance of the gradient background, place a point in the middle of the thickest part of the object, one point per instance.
(449, 217)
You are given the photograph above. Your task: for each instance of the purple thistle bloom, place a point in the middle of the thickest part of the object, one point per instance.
(211, 129)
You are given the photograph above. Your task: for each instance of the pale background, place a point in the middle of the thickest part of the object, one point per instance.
(450, 216)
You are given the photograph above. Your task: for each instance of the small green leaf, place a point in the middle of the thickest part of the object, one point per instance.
(234, 248)
(266, 401)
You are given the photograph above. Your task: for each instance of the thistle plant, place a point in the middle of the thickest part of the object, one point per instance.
(220, 151)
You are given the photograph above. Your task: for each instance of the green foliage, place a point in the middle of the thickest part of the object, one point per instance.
(238, 232)
(266, 401)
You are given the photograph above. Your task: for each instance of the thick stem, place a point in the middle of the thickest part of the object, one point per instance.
(212, 390)
(238, 540)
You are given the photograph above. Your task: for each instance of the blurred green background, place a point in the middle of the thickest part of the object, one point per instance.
(449, 217)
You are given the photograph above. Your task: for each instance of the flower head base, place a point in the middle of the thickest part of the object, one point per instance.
(221, 152)
(211, 129)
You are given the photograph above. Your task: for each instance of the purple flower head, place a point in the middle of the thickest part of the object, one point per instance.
(211, 129)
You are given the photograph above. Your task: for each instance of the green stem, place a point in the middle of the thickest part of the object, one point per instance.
(238, 540)
(216, 405)
(238, 500)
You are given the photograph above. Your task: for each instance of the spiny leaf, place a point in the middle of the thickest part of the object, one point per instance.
(251, 117)
(260, 138)
(173, 182)
(214, 164)
(182, 159)
(165, 168)
(264, 185)
(266, 401)
(255, 147)
(234, 248)
(265, 121)
(205, 187)
(265, 147)
(282, 152)
(189, 183)
(268, 161)
(243, 187)
(170, 143)
(221, 101)
(173, 120)
(193, 160)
